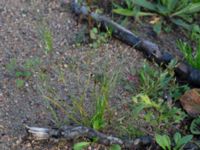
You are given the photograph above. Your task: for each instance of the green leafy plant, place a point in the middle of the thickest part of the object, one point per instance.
(77, 111)
(23, 74)
(115, 147)
(181, 141)
(191, 56)
(155, 82)
(179, 12)
(166, 143)
(194, 127)
(81, 145)
(156, 113)
(98, 37)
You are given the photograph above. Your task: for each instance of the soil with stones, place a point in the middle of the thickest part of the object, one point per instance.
(21, 22)
(20, 39)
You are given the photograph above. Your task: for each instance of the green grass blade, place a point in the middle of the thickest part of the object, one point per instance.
(145, 4)
(124, 12)
(190, 9)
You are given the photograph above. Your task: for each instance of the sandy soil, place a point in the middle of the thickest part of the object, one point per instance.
(20, 39)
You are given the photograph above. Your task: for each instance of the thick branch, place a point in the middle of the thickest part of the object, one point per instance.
(74, 132)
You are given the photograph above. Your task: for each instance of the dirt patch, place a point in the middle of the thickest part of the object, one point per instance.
(20, 39)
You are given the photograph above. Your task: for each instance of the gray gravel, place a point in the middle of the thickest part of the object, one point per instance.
(20, 38)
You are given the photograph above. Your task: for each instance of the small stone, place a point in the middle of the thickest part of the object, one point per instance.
(26, 84)
(65, 65)
(191, 102)
(19, 141)
(28, 145)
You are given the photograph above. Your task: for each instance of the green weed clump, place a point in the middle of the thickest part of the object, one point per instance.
(106, 84)
(158, 113)
(177, 143)
(155, 104)
(98, 38)
(78, 112)
(158, 83)
(192, 56)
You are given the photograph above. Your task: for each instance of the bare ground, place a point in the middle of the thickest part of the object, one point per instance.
(20, 23)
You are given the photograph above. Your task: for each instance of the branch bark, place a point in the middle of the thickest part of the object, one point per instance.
(75, 132)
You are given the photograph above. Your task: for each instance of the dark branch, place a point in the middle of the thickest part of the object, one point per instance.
(75, 132)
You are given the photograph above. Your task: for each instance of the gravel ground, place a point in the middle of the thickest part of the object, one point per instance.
(20, 23)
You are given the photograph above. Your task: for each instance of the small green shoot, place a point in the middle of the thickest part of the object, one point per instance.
(115, 147)
(81, 145)
(98, 37)
(23, 74)
(47, 39)
(20, 83)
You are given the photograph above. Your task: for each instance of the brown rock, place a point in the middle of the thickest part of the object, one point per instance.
(191, 102)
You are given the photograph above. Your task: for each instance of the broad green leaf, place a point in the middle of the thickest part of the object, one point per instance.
(146, 4)
(190, 9)
(115, 147)
(95, 30)
(194, 127)
(181, 23)
(124, 12)
(171, 4)
(128, 3)
(177, 137)
(167, 141)
(93, 36)
(132, 12)
(163, 141)
(183, 141)
(162, 10)
(18, 74)
(80, 145)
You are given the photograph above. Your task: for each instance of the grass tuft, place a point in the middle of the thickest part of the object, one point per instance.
(191, 56)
